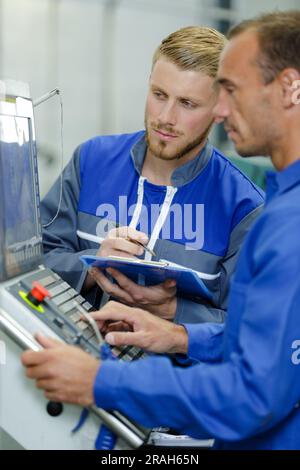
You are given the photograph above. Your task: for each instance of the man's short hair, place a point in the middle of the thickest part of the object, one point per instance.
(193, 48)
(278, 35)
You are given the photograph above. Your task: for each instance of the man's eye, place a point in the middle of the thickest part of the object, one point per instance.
(188, 104)
(159, 95)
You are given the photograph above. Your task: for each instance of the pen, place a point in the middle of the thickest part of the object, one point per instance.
(95, 239)
(136, 242)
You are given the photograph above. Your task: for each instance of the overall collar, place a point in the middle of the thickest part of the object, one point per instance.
(282, 181)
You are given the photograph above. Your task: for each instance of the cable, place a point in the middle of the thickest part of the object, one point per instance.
(93, 325)
(37, 102)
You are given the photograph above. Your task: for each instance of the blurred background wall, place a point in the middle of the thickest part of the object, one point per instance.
(98, 53)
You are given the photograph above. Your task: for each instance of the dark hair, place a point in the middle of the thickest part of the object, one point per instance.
(278, 35)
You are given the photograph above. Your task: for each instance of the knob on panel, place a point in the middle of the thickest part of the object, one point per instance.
(54, 408)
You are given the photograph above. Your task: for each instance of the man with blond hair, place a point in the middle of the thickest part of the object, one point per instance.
(167, 187)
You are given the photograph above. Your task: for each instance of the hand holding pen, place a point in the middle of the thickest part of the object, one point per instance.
(145, 247)
(125, 242)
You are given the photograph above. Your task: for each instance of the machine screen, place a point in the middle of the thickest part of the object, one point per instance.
(20, 231)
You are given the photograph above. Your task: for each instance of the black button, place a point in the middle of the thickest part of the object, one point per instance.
(54, 408)
(59, 322)
(77, 338)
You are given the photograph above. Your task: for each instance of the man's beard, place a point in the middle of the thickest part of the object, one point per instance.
(257, 146)
(158, 150)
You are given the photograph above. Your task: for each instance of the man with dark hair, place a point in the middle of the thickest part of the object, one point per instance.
(278, 38)
(243, 383)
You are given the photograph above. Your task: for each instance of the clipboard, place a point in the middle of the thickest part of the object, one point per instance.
(189, 282)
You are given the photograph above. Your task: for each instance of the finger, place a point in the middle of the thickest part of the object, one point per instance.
(99, 276)
(124, 282)
(115, 291)
(122, 254)
(130, 232)
(41, 371)
(118, 326)
(46, 342)
(115, 311)
(112, 252)
(103, 326)
(53, 395)
(124, 339)
(156, 294)
(111, 288)
(124, 245)
(97, 273)
(139, 294)
(132, 287)
(46, 384)
(102, 280)
(169, 283)
(33, 358)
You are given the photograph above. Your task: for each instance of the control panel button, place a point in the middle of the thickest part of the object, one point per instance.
(87, 306)
(60, 299)
(82, 325)
(37, 294)
(54, 408)
(75, 317)
(59, 322)
(58, 289)
(80, 299)
(77, 338)
(47, 281)
(68, 306)
(88, 333)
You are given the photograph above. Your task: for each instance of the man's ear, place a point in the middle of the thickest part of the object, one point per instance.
(296, 94)
(289, 80)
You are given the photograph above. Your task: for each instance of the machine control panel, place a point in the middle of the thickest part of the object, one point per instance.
(63, 310)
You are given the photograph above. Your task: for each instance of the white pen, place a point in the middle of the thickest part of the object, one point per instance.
(99, 240)
(90, 237)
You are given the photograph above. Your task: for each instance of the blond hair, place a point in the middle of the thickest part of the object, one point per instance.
(193, 48)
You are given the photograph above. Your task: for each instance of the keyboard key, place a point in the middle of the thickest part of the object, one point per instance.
(67, 306)
(47, 281)
(88, 333)
(79, 299)
(87, 306)
(59, 322)
(60, 299)
(75, 317)
(82, 325)
(56, 290)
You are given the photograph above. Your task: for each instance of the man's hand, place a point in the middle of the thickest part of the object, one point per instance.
(116, 244)
(66, 373)
(145, 330)
(160, 300)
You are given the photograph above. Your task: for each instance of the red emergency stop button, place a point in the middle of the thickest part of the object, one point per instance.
(37, 294)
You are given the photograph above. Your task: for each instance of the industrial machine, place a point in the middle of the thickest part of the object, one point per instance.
(35, 299)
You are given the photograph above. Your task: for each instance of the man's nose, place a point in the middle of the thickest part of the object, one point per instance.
(221, 109)
(168, 114)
